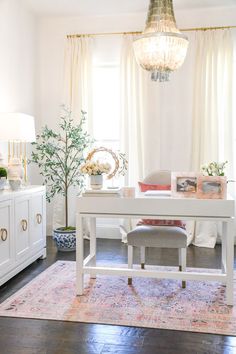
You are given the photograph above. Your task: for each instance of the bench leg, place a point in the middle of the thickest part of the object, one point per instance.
(130, 261)
(182, 263)
(142, 256)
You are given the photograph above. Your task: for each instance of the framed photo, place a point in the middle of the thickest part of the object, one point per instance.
(184, 184)
(212, 187)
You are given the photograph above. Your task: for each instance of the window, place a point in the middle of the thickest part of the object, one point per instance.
(106, 111)
(106, 105)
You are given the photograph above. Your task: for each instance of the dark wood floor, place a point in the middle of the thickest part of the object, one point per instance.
(23, 336)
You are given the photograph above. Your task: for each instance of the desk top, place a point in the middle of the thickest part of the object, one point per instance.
(157, 206)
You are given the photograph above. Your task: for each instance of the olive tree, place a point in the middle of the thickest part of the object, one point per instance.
(59, 155)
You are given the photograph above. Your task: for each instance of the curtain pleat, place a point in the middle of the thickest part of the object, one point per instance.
(212, 137)
(136, 122)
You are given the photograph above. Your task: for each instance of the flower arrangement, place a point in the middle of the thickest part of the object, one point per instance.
(120, 161)
(214, 169)
(93, 168)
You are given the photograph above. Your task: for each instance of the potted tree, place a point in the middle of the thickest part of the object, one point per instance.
(59, 156)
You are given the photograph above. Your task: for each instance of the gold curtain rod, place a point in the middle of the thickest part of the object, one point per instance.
(138, 32)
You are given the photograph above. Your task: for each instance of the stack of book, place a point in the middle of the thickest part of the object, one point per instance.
(102, 193)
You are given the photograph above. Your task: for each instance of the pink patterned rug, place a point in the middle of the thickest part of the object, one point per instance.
(109, 300)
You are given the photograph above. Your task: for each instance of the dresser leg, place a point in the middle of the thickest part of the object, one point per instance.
(44, 255)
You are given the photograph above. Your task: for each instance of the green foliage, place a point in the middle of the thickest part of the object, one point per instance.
(3, 172)
(214, 168)
(69, 228)
(59, 155)
(123, 164)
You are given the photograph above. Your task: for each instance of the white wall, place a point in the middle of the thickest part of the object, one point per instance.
(17, 59)
(174, 135)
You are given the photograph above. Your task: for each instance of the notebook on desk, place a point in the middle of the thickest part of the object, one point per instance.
(102, 193)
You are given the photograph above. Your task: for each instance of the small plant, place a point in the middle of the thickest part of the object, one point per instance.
(3, 172)
(60, 155)
(214, 169)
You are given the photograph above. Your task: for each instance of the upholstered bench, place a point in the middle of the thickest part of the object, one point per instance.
(157, 236)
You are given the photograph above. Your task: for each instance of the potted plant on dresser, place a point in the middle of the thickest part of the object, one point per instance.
(59, 156)
(3, 177)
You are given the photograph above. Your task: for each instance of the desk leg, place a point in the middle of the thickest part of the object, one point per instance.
(79, 256)
(223, 247)
(229, 262)
(93, 243)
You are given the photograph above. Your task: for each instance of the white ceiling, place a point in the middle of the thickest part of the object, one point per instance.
(109, 7)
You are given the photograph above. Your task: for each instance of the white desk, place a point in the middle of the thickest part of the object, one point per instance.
(155, 207)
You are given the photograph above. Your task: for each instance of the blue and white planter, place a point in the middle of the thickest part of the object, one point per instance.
(65, 240)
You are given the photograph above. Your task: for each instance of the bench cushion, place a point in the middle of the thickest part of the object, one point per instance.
(157, 236)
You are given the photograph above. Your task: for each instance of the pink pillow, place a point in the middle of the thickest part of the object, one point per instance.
(151, 187)
(153, 222)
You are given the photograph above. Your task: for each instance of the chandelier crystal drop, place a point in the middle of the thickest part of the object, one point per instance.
(161, 48)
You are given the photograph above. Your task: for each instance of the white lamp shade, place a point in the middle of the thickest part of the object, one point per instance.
(17, 127)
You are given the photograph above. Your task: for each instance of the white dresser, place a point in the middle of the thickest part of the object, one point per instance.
(22, 229)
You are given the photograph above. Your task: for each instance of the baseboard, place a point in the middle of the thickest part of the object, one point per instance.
(109, 231)
(103, 231)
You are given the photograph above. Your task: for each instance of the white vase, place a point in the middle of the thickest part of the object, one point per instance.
(15, 184)
(3, 182)
(96, 182)
(15, 169)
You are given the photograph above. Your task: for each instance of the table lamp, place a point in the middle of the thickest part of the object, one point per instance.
(17, 129)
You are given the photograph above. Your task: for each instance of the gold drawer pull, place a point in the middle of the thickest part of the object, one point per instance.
(24, 224)
(39, 218)
(4, 234)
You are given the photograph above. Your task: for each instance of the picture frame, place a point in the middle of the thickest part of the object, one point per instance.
(184, 184)
(212, 187)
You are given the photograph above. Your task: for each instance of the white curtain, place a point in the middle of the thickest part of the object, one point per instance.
(132, 112)
(139, 131)
(212, 107)
(140, 127)
(77, 90)
(77, 96)
(212, 132)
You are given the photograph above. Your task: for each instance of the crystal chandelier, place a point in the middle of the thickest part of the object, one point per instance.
(161, 48)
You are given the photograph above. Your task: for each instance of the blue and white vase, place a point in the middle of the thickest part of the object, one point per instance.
(65, 239)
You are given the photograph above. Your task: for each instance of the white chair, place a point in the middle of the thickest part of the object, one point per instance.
(157, 236)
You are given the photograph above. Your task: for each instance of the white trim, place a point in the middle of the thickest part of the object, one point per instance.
(109, 232)
(103, 231)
